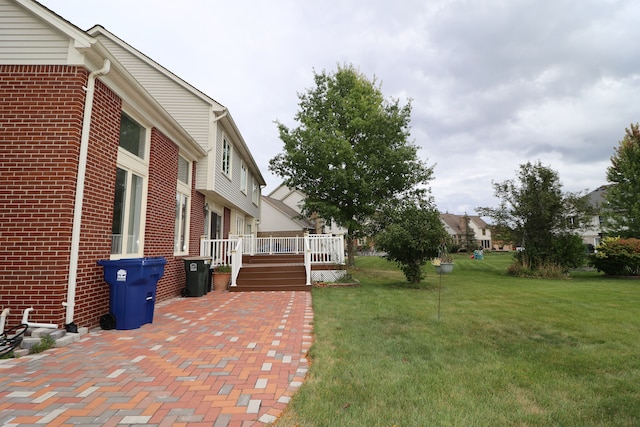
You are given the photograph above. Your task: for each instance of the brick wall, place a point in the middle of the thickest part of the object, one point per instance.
(161, 205)
(41, 110)
(40, 125)
(92, 293)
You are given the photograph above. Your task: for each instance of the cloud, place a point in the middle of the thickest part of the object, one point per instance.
(493, 84)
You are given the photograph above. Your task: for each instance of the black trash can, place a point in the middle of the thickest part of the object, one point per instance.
(132, 289)
(198, 276)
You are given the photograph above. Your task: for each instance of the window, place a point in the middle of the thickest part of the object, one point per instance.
(183, 191)
(239, 224)
(131, 177)
(182, 203)
(226, 157)
(127, 208)
(183, 170)
(255, 193)
(132, 136)
(243, 178)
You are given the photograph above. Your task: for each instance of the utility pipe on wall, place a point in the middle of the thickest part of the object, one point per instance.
(3, 319)
(77, 209)
(25, 321)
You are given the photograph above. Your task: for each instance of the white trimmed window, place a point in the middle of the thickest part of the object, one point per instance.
(226, 156)
(243, 177)
(183, 207)
(131, 188)
(255, 193)
(239, 224)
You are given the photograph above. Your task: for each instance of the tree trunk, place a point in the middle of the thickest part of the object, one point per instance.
(351, 256)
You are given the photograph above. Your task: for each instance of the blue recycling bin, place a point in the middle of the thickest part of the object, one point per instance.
(132, 289)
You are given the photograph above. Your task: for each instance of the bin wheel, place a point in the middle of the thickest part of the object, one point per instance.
(184, 292)
(108, 321)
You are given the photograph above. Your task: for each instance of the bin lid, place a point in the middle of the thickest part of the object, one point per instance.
(129, 262)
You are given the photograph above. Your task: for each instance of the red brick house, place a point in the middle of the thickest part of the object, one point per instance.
(96, 162)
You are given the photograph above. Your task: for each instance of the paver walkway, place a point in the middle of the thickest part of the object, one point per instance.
(222, 360)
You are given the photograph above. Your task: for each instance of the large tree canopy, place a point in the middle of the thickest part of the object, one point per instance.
(542, 219)
(623, 204)
(350, 153)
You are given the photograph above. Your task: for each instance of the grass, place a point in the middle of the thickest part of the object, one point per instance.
(504, 351)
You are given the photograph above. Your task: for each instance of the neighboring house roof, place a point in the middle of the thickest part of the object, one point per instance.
(457, 222)
(288, 212)
(596, 197)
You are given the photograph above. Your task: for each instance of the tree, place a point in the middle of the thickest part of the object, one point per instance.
(542, 219)
(623, 205)
(469, 237)
(412, 236)
(349, 153)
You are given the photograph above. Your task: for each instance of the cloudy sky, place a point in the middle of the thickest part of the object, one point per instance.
(493, 83)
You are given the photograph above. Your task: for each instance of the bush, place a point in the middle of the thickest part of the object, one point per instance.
(46, 342)
(548, 270)
(618, 257)
(412, 237)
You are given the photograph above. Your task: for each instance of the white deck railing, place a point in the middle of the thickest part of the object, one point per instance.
(317, 249)
(236, 262)
(219, 250)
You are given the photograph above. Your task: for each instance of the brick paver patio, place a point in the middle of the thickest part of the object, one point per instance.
(222, 360)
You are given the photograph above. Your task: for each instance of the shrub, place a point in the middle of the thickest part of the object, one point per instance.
(46, 342)
(546, 270)
(412, 237)
(618, 257)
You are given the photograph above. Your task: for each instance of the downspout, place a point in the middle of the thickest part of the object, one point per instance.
(77, 209)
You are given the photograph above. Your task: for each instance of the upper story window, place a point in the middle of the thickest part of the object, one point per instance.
(130, 190)
(132, 136)
(243, 177)
(226, 157)
(255, 193)
(183, 170)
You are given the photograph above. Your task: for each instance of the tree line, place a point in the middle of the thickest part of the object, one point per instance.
(350, 154)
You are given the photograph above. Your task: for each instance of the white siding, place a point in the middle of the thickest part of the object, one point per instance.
(24, 39)
(229, 187)
(294, 200)
(280, 193)
(192, 112)
(272, 220)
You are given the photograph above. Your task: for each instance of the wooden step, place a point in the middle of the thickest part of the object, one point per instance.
(272, 273)
(272, 259)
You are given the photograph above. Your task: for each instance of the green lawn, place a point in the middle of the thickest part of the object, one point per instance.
(503, 351)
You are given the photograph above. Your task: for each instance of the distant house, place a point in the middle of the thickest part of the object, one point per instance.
(460, 226)
(595, 230)
(281, 216)
(105, 154)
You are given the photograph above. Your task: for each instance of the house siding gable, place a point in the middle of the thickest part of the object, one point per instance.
(273, 221)
(192, 112)
(25, 39)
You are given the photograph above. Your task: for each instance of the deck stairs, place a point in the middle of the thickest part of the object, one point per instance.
(272, 272)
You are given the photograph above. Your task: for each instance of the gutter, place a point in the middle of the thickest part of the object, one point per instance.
(77, 210)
